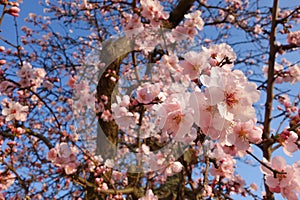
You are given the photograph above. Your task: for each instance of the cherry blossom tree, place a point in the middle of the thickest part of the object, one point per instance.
(149, 99)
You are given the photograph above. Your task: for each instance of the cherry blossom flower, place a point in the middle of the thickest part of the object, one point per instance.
(151, 9)
(207, 117)
(243, 133)
(288, 140)
(294, 38)
(31, 76)
(194, 63)
(14, 110)
(170, 62)
(293, 74)
(147, 92)
(106, 116)
(2, 62)
(225, 163)
(231, 92)
(221, 55)
(149, 196)
(177, 115)
(14, 11)
(6, 180)
(194, 19)
(134, 26)
(71, 168)
(64, 151)
(176, 167)
(121, 114)
(63, 156)
(286, 183)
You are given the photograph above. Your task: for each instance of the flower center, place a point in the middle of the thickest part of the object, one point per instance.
(230, 99)
(177, 118)
(13, 111)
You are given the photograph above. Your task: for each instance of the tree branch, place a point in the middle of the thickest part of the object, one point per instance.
(270, 87)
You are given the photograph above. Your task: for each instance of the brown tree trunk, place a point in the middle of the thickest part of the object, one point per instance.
(270, 87)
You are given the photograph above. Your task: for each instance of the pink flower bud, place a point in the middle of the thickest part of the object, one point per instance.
(2, 62)
(14, 9)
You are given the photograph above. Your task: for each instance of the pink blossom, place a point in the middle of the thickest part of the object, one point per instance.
(106, 116)
(48, 85)
(52, 154)
(177, 116)
(14, 110)
(145, 149)
(147, 92)
(31, 77)
(194, 63)
(71, 82)
(231, 93)
(121, 114)
(208, 191)
(64, 151)
(225, 162)
(221, 55)
(133, 26)
(243, 133)
(206, 116)
(149, 196)
(253, 187)
(170, 62)
(25, 71)
(104, 186)
(257, 29)
(63, 156)
(293, 74)
(14, 11)
(294, 38)
(151, 9)
(176, 167)
(70, 168)
(194, 19)
(286, 183)
(2, 62)
(6, 180)
(225, 167)
(288, 140)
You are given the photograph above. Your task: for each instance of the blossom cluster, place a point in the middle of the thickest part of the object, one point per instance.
(13, 8)
(14, 111)
(286, 178)
(291, 75)
(31, 77)
(64, 157)
(7, 178)
(294, 38)
(152, 10)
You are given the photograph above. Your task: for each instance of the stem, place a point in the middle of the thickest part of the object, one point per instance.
(205, 178)
(275, 172)
(270, 87)
(3, 13)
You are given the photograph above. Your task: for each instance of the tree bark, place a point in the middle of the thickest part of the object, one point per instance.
(270, 96)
